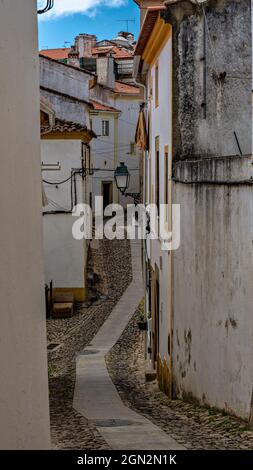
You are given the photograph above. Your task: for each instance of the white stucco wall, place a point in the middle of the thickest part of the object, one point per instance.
(116, 147)
(24, 409)
(213, 271)
(127, 126)
(103, 151)
(161, 127)
(64, 256)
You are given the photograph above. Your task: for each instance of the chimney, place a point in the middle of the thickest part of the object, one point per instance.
(105, 70)
(73, 57)
(84, 44)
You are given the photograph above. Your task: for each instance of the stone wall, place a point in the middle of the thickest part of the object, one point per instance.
(213, 268)
(212, 78)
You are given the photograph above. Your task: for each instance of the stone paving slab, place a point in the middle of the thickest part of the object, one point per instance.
(95, 395)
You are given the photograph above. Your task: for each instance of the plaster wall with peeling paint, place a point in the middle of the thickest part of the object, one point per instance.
(213, 268)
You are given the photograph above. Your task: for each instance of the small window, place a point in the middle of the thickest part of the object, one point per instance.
(157, 174)
(166, 182)
(105, 128)
(157, 85)
(132, 148)
(151, 88)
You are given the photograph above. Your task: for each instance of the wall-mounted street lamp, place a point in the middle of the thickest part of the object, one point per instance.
(122, 179)
(49, 6)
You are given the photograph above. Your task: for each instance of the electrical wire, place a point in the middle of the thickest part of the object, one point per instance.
(49, 6)
(57, 183)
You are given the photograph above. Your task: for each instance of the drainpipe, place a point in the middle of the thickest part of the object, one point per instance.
(145, 101)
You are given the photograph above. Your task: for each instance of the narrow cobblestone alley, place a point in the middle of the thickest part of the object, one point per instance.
(193, 426)
(69, 430)
(189, 425)
(95, 395)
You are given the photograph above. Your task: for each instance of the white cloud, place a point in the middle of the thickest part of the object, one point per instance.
(69, 7)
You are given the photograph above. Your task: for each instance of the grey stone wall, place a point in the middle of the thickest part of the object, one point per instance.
(212, 78)
(212, 294)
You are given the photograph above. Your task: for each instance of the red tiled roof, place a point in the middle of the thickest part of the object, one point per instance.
(65, 126)
(103, 107)
(117, 52)
(57, 54)
(147, 28)
(121, 87)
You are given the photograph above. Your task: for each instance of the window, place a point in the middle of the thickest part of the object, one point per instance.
(86, 157)
(157, 175)
(105, 128)
(166, 181)
(157, 85)
(132, 148)
(151, 87)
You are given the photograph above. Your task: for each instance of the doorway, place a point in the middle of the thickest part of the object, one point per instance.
(107, 192)
(156, 316)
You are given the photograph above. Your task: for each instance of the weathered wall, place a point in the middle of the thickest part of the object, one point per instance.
(226, 71)
(24, 409)
(213, 326)
(213, 271)
(66, 80)
(67, 108)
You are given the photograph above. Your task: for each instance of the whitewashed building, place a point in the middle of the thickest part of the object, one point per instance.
(66, 169)
(114, 120)
(196, 65)
(114, 104)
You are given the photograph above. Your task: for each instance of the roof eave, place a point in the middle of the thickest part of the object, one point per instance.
(149, 21)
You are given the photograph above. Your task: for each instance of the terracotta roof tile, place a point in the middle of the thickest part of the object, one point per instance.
(57, 54)
(65, 126)
(121, 87)
(117, 52)
(103, 107)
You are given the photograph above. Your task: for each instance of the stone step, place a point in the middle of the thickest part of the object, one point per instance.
(63, 310)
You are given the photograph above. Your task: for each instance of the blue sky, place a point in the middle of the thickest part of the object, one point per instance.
(71, 17)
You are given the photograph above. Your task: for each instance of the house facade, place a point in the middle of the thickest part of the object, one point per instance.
(114, 103)
(201, 328)
(66, 160)
(113, 119)
(67, 176)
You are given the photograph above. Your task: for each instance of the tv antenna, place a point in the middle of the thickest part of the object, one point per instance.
(126, 23)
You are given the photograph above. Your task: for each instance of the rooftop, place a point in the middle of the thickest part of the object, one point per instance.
(117, 52)
(126, 88)
(65, 127)
(57, 54)
(147, 28)
(103, 107)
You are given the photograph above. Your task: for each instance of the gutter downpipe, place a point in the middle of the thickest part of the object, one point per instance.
(143, 189)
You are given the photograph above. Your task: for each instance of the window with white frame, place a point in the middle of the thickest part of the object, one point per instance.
(132, 148)
(105, 128)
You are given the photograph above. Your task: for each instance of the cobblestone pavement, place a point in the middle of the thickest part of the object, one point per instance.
(69, 430)
(189, 424)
